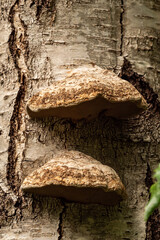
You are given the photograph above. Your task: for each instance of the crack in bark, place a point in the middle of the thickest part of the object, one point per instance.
(127, 73)
(15, 123)
(18, 46)
(61, 217)
(122, 28)
(47, 4)
(153, 223)
(138, 81)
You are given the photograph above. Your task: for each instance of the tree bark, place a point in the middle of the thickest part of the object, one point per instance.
(40, 40)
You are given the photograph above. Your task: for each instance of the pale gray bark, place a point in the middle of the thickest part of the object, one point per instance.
(38, 41)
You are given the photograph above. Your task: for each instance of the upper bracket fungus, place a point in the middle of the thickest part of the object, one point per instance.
(84, 93)
(76, 177)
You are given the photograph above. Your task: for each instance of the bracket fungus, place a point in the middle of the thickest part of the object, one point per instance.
(76, 177)
(84, 93)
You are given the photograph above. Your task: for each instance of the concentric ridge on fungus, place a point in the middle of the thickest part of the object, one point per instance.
(84, 93)
(76, 177)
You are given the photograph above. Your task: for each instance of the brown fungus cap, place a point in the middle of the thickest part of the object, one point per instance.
(84, 93)
(76, 177)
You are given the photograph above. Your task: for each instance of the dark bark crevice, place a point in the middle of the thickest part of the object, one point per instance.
(18, 46)
(15, 123)
(127, 73)
(49, 5)
(142, 86)
(122, 27)
(12, 38)
(61, 218)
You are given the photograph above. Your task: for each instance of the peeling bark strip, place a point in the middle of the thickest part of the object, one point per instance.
(142, 86)
(153, 223)
(18, 47)
(121, 23)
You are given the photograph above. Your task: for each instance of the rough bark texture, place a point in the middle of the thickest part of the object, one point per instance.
(39, 41)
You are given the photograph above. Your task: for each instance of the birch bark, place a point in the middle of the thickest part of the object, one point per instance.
(41, 39)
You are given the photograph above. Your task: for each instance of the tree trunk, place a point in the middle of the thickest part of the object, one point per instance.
(40, 40)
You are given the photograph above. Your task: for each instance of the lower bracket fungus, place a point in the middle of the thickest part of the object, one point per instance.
(76, 177)
(84, 93)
